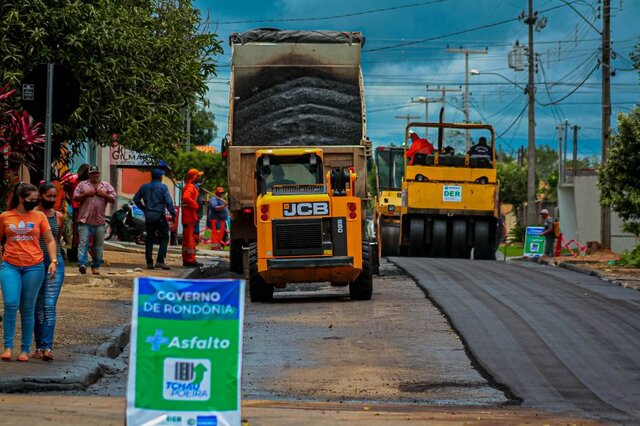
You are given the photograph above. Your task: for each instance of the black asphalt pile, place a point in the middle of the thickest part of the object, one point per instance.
(287, 108)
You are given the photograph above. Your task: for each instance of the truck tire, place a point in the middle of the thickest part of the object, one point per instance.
(259, 289)
(459, 239)
(483, 246)
(416, 236)
(390, 239)
(439, 238)
(362, 287)
(235, 256)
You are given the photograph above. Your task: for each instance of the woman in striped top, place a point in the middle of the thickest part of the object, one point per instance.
(45, 314)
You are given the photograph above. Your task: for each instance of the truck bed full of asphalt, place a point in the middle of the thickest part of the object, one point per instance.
(308, 108)
(557, 339)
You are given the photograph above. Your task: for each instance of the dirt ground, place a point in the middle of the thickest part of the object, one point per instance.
(99, 411)
(629, 277)
(90, 307)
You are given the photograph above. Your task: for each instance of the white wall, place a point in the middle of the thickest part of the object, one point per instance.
(587, 207)
(567, 213)
(579, 207)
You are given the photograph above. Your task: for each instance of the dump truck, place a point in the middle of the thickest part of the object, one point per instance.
(297, 156)
(450, 196)
(389, 162)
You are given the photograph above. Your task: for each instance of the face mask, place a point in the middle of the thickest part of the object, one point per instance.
(29, 205)
(46, 204)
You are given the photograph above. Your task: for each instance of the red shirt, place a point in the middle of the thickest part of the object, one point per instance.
(23, 233)
(418, 145)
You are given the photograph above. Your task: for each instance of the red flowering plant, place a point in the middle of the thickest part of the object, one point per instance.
(19, 133)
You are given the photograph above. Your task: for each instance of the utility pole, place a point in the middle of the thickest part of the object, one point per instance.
(426, 101)
(443, 99)
(531, 158)
(561, 143)
(466, 81)
(605, 212)
(188, 129)
(407, 117)
(575, 151)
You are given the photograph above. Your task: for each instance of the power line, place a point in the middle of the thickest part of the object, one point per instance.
(409, 43)
(514, 122)
(557, 101)
(468, 30)
(390, 108)
(326, 18)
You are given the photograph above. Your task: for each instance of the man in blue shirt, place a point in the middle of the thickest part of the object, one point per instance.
(153, 199)
(481, 148)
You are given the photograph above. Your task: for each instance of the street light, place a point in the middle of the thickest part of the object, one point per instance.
(477, 72)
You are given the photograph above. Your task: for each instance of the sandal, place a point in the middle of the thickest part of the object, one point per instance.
(6, 355)
(37, 354)
(23, 357)
(47, 355)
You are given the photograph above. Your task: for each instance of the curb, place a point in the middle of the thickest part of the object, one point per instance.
(71, 371)
(581, 270)
(115, 346)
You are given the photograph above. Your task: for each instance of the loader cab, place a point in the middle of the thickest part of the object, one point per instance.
(390, 168)
(285, 173)
(388, 201)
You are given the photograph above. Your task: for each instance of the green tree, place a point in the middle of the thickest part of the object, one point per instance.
(618, 178)
(546, 161)
(139, 63)
(513, 183)
(213, 166)
(372, 183)
(203, 127)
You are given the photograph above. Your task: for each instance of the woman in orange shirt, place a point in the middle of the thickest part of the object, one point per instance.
(22, 269)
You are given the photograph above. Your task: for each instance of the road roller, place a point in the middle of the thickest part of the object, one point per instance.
(449, 198)
(389, 173)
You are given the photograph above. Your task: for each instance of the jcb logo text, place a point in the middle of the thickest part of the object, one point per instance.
(305, 209)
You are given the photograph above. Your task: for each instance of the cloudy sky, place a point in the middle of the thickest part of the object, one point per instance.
(406, 51)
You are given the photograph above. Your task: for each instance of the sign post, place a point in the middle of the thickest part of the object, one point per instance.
(48, 123)
(534, 241)
(186, 347)
(50, 93)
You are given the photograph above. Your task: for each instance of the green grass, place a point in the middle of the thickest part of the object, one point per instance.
(512, 250)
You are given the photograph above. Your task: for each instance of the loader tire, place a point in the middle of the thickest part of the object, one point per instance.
(259, 289)
(235, 256)
(362, 287)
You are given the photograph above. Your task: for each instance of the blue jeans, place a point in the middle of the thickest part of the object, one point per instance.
(46, 306)
(84, 233)
(20, 287)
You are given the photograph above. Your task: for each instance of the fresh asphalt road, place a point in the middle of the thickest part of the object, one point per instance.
(558, 339)
(314, 344)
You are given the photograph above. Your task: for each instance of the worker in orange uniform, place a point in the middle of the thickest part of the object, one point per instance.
(418, 146)
(190, 218)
